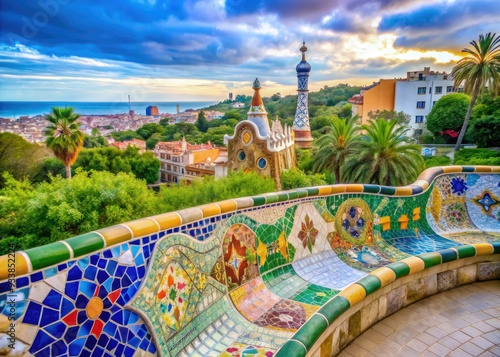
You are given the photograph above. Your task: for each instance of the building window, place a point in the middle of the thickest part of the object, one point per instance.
(460, 90)
(433, 103)
(422, 90)
(419, 131)
(420, 105)
(439, 90)
(419, 119)
(449, 89)
(241, 155)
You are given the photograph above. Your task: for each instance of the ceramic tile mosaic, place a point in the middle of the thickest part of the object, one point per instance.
(328, 270)
(446, 208)
(242, 282)
(308, 236)
(483, 201)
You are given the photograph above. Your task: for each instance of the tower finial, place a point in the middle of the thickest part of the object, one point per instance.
(256, 84)
(303, 49)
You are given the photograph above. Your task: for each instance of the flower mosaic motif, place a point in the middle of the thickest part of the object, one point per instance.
(173, 295)
(308, 233)
(458, 186)
(486, 201)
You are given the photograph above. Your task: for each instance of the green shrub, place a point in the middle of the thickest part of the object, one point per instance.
(436, 161)
(295, 178)
(477, 157)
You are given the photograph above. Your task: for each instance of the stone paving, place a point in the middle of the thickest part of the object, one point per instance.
(461, 322)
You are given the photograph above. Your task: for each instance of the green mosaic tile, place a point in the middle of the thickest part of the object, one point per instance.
(48, 255)
(496, 247)
(334, 308)
(312, 191)
(259, 201)
(371, 188)
(384, 190)
(291, 348)
(371, 283)
(311, 330)
(401, 269)
(301, 193)
(85, 243)
(466, 251)
(468, 169)
(430, 259)
(282, 197)
(272, 199)
(292, 195)
(315, 295)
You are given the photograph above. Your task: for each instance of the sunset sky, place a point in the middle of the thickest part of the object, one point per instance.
(172, 50)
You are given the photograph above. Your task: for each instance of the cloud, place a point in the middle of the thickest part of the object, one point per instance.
(457, 14)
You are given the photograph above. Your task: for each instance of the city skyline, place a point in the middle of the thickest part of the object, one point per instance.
(201, 50)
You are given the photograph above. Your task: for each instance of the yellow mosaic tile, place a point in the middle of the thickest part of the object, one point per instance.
(143, 227)
(451, 169)
(354, 293)
(385, 222)
(227, 206)
(338, 189)
(209, 210)
(483, 249)
(495, 168)
(385, 275)
(482, 169)
(168, 220)
(324, 190)
(353, 188)
(21, 265)
(115, 234)
(403, 221)
(415, 264)
(403, 191)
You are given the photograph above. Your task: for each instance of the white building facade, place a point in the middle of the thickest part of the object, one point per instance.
(419, 92)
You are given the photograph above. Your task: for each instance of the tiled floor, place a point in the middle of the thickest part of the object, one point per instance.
(461, 322)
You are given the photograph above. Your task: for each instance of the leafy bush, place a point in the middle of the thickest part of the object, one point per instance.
(436, 161)
(51, 211)
(477, 157)
(295, 178)
(485, 132)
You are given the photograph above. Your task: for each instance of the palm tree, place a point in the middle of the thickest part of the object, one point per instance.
(477, 71)
(63, 136)
(385, 156)
(334, 147)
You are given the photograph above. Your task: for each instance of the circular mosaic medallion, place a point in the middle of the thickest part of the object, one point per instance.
(241, 155)
(262, 163)
(353, 221)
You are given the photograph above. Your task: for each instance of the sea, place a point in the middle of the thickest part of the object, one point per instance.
(18, 109)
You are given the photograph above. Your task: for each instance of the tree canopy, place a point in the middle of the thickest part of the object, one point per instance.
(63, 136)
(448, 113)
(479, 70)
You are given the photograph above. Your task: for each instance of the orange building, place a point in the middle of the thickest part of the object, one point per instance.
(378, 96)
(176, 156)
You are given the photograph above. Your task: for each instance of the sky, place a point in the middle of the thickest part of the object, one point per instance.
(175, 50)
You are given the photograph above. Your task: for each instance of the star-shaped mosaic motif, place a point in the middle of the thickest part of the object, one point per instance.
(486, 200)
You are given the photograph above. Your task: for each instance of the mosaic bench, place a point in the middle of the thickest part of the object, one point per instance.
(242, 277)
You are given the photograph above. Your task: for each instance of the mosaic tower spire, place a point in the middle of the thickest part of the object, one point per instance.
(257, 113)
(301, 127)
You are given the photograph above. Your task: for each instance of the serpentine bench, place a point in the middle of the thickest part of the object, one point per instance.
(287, 273)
